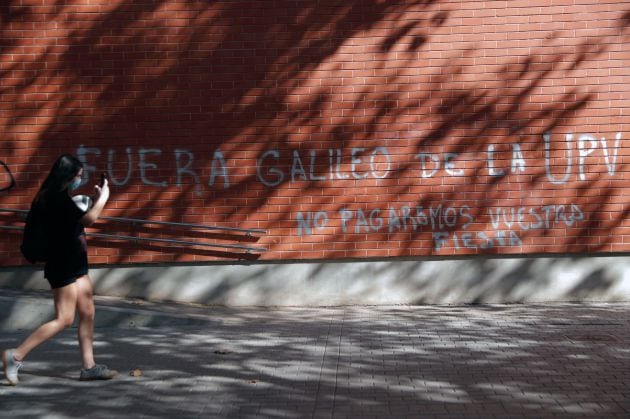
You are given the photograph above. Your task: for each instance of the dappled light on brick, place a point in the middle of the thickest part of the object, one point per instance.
(356, 129)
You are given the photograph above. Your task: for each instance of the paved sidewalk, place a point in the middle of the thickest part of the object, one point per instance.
(563, 360)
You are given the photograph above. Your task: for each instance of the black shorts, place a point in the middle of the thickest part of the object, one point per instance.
(67, 263)
(60, 274)
(61, 282)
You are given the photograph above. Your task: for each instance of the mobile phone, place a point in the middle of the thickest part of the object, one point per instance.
(103, 177)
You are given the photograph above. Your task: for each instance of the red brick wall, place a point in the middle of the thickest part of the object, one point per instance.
(346, 129)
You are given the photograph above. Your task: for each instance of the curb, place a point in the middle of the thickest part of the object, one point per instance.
(26, 310)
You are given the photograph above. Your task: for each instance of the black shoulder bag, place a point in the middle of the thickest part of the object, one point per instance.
(35, 241)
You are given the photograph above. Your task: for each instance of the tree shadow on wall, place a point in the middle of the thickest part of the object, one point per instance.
(475, 280)
(243, 78)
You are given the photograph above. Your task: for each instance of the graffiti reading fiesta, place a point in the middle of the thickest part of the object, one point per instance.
(277, 167)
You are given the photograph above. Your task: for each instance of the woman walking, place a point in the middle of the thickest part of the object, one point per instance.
(66, 268)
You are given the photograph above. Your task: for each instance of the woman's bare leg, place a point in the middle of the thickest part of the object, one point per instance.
(65, 308)
(85, 307)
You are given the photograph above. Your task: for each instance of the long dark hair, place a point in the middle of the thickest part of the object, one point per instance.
(62, 172)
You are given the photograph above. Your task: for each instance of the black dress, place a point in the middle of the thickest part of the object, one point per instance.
(67, 258)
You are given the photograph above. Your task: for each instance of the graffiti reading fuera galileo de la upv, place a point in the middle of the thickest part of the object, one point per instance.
(276, 167)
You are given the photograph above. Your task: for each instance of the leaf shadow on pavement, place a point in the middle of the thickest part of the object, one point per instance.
(526, 361)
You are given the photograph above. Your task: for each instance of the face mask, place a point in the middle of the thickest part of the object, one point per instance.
(75, 184)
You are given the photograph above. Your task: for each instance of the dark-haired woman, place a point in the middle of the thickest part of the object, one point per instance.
(67, 268)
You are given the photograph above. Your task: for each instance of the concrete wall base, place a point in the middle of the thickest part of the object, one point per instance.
(456, 281)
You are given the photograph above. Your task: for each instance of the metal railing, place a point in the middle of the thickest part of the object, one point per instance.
(138, 221)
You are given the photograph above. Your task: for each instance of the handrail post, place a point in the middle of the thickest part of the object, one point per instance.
(134, 233)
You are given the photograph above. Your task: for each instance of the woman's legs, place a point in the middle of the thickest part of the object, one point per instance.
(65, 306)
(85, 306)
(67, 300)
